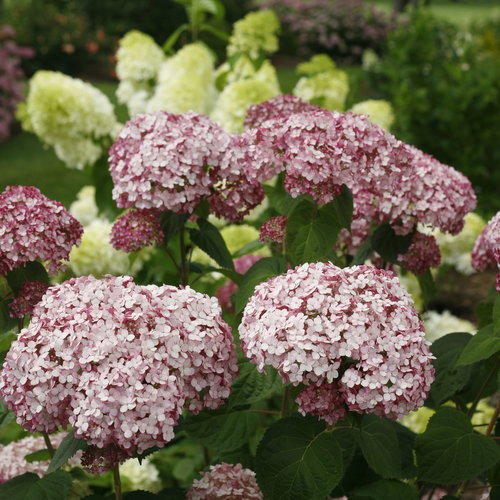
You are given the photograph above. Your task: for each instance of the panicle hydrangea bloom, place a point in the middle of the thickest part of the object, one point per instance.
(255, 35)
(353, 331)
(318, 63)
(72, 116)
(281, 106)
(32, 227)
(437, 324)
(186, 82)
(13, 463)
(486, 251)
(422, 254)
(137, 229)
(379, 112)
(28, 297)
(241, 265)
(84, 208)
(159, 161)
(225, 482)
(98, 353)
(274, 229)
(96, 255)
(140, 476)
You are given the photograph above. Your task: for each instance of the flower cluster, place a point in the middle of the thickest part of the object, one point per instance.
(185, 82)
(352, 336)
(84, 209)
(225, 482)
(274, 229)
(32, 227)
(422, 254)
(379, 112)
(137, 229)
(486, 251)
(98, 353)
(140, 476)
(28, 297)
(70, 115)
(255, 35)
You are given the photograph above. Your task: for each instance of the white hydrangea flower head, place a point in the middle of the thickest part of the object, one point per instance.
(185, 82)
(255, 35)
(72, 116)
(138, 57)
(96, 255)
(437, 324)
(135, 95)
(140, 476)
(379, 112)
(84, 208)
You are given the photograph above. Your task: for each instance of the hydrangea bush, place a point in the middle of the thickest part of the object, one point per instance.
(273, 354)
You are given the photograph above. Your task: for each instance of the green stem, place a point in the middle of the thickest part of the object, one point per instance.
(48, 444)
(118, 483)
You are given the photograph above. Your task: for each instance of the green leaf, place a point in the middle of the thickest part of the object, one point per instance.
(196, 267)
(311, 232)
(388, 244)
(38, 456)
(221, 430)
(406, 440)
(496, 316)
(251, 386)
(6, 416)
(449, 451)
(32, 271)
(251, 247)
(363, 253)
(261, 271)
(481, 346)
(171, 223)
(68, 447)
(6, 325)
(385, 490)
(343, 205)
(170, 42)
(279, 198)
(450, 379)
(209, 239)
(103, 183)
(379, 444)
(427, 286)
(298, 460)
(29, 486)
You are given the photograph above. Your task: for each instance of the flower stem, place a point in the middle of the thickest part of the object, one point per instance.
(117, 481)
(48, 444)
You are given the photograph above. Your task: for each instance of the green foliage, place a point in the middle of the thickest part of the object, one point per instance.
(31, 271)
(68, 447)
(385, 490)
(481, 346)
(29, 486)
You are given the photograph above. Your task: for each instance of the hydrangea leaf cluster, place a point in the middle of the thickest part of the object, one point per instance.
(378, 111)
(351, 336)
(486, 251)
(118, 362)
(72, 116)
(255, 35)
(225, 481)
(32, 227)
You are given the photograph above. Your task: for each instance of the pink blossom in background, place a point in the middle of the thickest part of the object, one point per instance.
(317, 317)
(137, 229)
(422, 254)
(28, 297)
(118, 362)
(273, 230)
(225, 482)
(32, 227)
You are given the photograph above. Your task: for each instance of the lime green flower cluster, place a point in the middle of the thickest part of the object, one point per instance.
(72, 116)
(140, 476)
(439, 324)
(379, 112)
(96, 256)
(255, 35)
(84, 208)
(323, 83)
(186, 82)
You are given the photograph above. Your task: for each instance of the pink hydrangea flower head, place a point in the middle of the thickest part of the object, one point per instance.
(137, 229)
(486, 251)
(323, 401)
(355, 328)
(422, 254)
(225, 482)
(281, 106)
(273, 230)
(241, 265)
(32, 227)
(161, 160)
(118, 362)
(28, 297)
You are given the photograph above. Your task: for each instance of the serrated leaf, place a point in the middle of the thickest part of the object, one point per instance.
(221, 430)
(297, 460)
(262, 270)
(31, 271)
(379, 444)
(385, 490)
(68, 447)
(251, 386)
(209, 239)
(449, 378)
(449, 451)
(481, 346)
(38, 456)
(343, 205)
(29, 486)
(388, 244)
